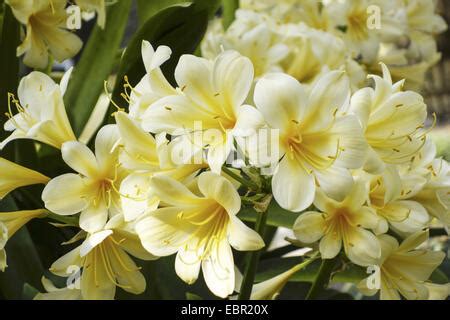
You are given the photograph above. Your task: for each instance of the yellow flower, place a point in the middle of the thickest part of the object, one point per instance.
(145, 156)
(105, 262)
(393, 121)
(404, 269)
(94, 190)
(251, 34)
(387, 197)
(434, 195)
(270, 289)
(200, 229)
(41, 113)
(45, 22)
(94, 5)
(10, 222)
(14, 176)
(342, 223)
(209, 103)
(54, 293)
(318, 145)
(153, 85)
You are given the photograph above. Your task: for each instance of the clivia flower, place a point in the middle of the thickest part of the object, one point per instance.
(200, 229)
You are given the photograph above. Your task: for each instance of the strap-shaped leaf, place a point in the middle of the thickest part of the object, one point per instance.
(96, 64)
(181, 27)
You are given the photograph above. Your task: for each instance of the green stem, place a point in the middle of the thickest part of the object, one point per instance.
(252, 262)
(71, 221)
(239, 179)
(322, 278)
(229, 9)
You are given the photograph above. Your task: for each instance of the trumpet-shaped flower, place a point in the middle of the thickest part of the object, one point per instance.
(210, 102)
(10, 222)
(317, 144)
(41, 113)
(45, 22)
(434, 195)
(404, 269)
(200, 229)
(145, 156)
(342, 223)
(270, 289)
(153, 85)
(393, 121)
(386, 196)
(14, 176)
(106, 263)
(94, 5)
(54, 293)
(252, 35)
(93, 191)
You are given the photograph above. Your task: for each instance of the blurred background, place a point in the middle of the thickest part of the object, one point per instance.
(437, 88)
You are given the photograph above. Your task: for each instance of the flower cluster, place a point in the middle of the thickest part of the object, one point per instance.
(276, 107)
(46, 33)
(304, 37)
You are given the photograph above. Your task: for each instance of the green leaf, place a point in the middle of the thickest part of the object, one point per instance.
(439, 277)
(272, 267)
(147, 9)
(229, 9)
(277, 216)
(96, 64)
(180, 27)
(192, 296)
(29, 292)
(9, 66)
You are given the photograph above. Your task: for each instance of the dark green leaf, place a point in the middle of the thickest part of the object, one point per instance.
(9, 66)
(277, 217)
(180, 27)
(147, 9)
(96, 64)
(229, 9)
(29, 292)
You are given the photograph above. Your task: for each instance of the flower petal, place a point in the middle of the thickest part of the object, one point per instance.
(65, 195)
(293, 187)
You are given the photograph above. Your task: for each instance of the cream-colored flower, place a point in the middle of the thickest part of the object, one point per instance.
(311, 12)
(45, 22)
(270, 289)
(94, 5)
(14, 176)
(311, 52)
(253, 35)
(93, 191)
(434, 195)
(41, 113)
(54, 293)
(145, 156)
(200, 229)
(342, 224)
(10, 222)
(387, 197)
(350, 22)
(421, 16)
(106, 263)
(404, 269)
(153, 85)
(208, 106)
(393, 121)
(318, 145)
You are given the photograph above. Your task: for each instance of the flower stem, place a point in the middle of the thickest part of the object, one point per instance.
(239, 179)
(322, 278)
(252, 262)
(70, 221)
